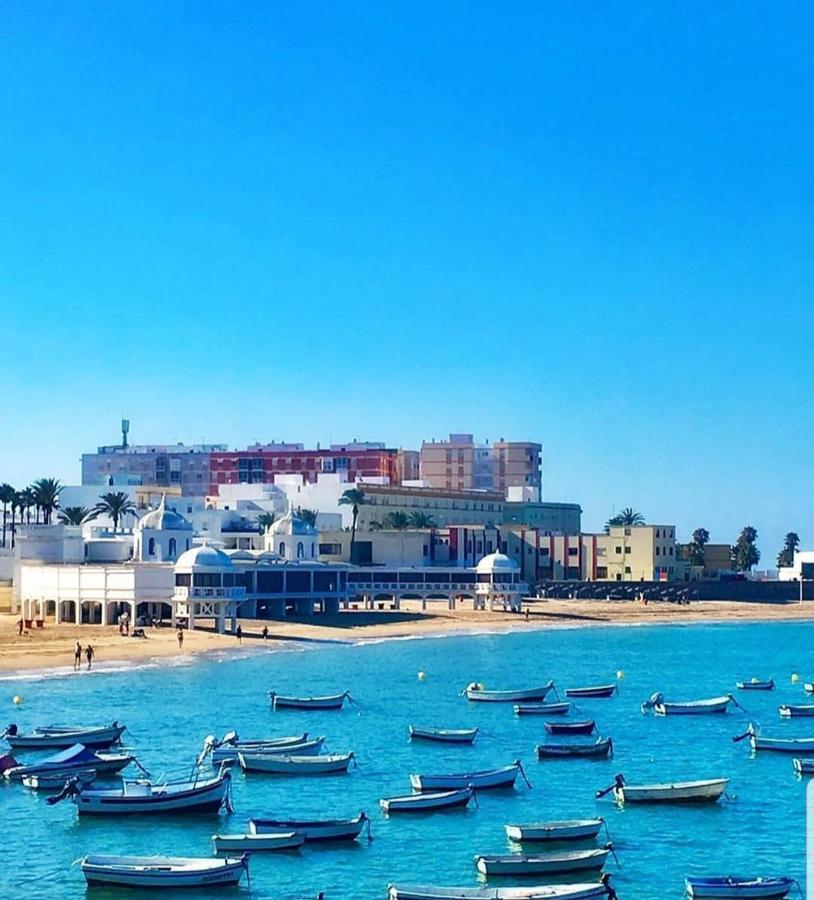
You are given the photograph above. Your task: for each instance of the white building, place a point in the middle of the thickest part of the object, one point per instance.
(291, 538)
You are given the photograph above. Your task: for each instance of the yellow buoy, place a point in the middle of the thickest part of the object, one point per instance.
(422, 676)
(620, 674)
(794, 678)
(17, 699)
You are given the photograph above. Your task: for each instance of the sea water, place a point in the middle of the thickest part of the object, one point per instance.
(758, 829)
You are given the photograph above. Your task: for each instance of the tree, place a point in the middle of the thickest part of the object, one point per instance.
(627, 517)
(46, 497)
(266, 520)
(7, 495)
(27, 502)
(309, 516)
(397, 520)
(786, 556)
(745, 554)
(420, 520)
(354, 498)
(695, 550)
(117, 505)
(76, 515)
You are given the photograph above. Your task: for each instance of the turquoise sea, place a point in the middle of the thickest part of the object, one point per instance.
(168, 709)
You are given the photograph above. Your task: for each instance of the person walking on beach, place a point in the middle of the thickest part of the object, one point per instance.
(265, 632)
(77, 656)
(180, 638)
(239, 634)
(89, 653)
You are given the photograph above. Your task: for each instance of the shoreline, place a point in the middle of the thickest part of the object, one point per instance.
(49, 651)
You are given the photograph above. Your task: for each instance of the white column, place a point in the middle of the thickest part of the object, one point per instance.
(58, 611)
(191, 613)
(78, 606)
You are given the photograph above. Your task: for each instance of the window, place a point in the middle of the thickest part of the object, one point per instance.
(151, 547)
(628, 550)
(671, 551)
(573, 551)
(658, 551)
(330, 549)
(281, 548)
(601, 571)
(627, 570)
(172, 548)
(300, 550)
(544, 551)
(657, 533)
(618, 549)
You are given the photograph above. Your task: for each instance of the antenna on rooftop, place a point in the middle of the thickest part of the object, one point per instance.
(125, 432)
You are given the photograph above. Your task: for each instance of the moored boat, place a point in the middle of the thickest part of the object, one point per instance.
(332, 701)
(427, 801)
(566, 830)
(542, 709)
(777, 745)
(163, 871)
(227, 748)
(46, 781)
(708, 790)
(314, 829)
(69, 762)
(249, 843)
(552, 863)
(597, 691)
(280, 764)
(734, 886)
(60, 737)
(444, 735)
(756, 685)
(587, 727)
(601, 747)
(487, 778)
(662, 707)
(808, 687)
(478, 692)
(803, 766)
(537, 892)
(788, 711)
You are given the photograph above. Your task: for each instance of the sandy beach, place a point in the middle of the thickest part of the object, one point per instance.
(53, 646)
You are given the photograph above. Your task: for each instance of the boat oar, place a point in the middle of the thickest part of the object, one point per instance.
(742, 708)
(351, 700)
(140, 767)
(523, 773)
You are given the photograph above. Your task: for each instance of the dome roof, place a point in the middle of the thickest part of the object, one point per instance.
(203, 556)
(496, 562)
(163, 519)
(291, 524)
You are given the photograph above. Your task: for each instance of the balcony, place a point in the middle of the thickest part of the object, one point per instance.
(209, 593)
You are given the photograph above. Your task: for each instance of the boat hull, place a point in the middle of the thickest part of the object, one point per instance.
(529, 694)
(804, 766)
(797, 712)
(207, 797)
(598, 692)
(739, 887)
(101, 766)
(228, 753)
(570, 727)
(162, 872)
(444, 736)
(538, 892)
(55, 782)
(480, 781)
(335, 701)
(294, 765)
(542, 709)
(326, 830)
(249, 843)
(782, 745)
(97, 738)
(680, 792)
(715, 706)
(577, 830)
(427, 802)
(598, 750)
(756, 685)
(516, 864)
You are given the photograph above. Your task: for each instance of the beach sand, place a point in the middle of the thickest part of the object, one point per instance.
(53, 646)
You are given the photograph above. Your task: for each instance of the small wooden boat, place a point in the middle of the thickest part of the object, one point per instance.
(45, 781)
(146, 797)
(488, 778)
(756, 685)
(427, 801)
(781, 745)
(796, 712)
(476, 691)
(808, 687)
(706, 791)
(60, 737)
(587, 727)
(334, 701)
(803, 766)
(732, 886)
(69, 762)
(248, 843)
(554, 863)
(662, 707)
(601, 747)
(163, 871)
(537, 892)
(602, 690)
(314, 830)
(542, 709)
(444, 735)
(227, 748)
(567, 830)
(279, 764)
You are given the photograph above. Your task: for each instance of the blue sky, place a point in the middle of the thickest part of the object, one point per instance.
(587, 224)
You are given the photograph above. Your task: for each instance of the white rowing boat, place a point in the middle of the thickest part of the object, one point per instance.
(733, 886)
(427, 801)
(542, 709)
(444, 735)
(601, 747)
(517, 864)
(163, 871)
(662, 707)
(536, 892)
(332, 701)
(703, 791)
(787, 711)
(248, 843)
(756, 685)
(476, 691)
(60, 737)
(487, 778)
(566, 830)
(595, 691)
(314, 829)
(279, 764)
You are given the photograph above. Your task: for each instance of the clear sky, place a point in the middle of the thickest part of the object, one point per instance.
(584, 223)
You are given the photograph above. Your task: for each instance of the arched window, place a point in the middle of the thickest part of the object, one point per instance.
(281, 548)
(300, 550)
(312, 551)
(173, 548)
(151, 547)
(187, 547)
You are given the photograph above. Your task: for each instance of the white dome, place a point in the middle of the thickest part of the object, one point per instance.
(291, 524)
(203, 556)
(496, 562)
(163, 519)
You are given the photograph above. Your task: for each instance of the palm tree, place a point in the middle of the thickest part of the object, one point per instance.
(354, 498)
(266, 520)
(627, 517)
(309, 516)
(117, 505)
(397, 520)
(27, 501)
(421, 520)
(46, 497)
(786, 556)
(76, 515)
(7, 495)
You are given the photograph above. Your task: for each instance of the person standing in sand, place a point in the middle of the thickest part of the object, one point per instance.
(239, 634)
(77, 656)
(89, 654)
(180, 638)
